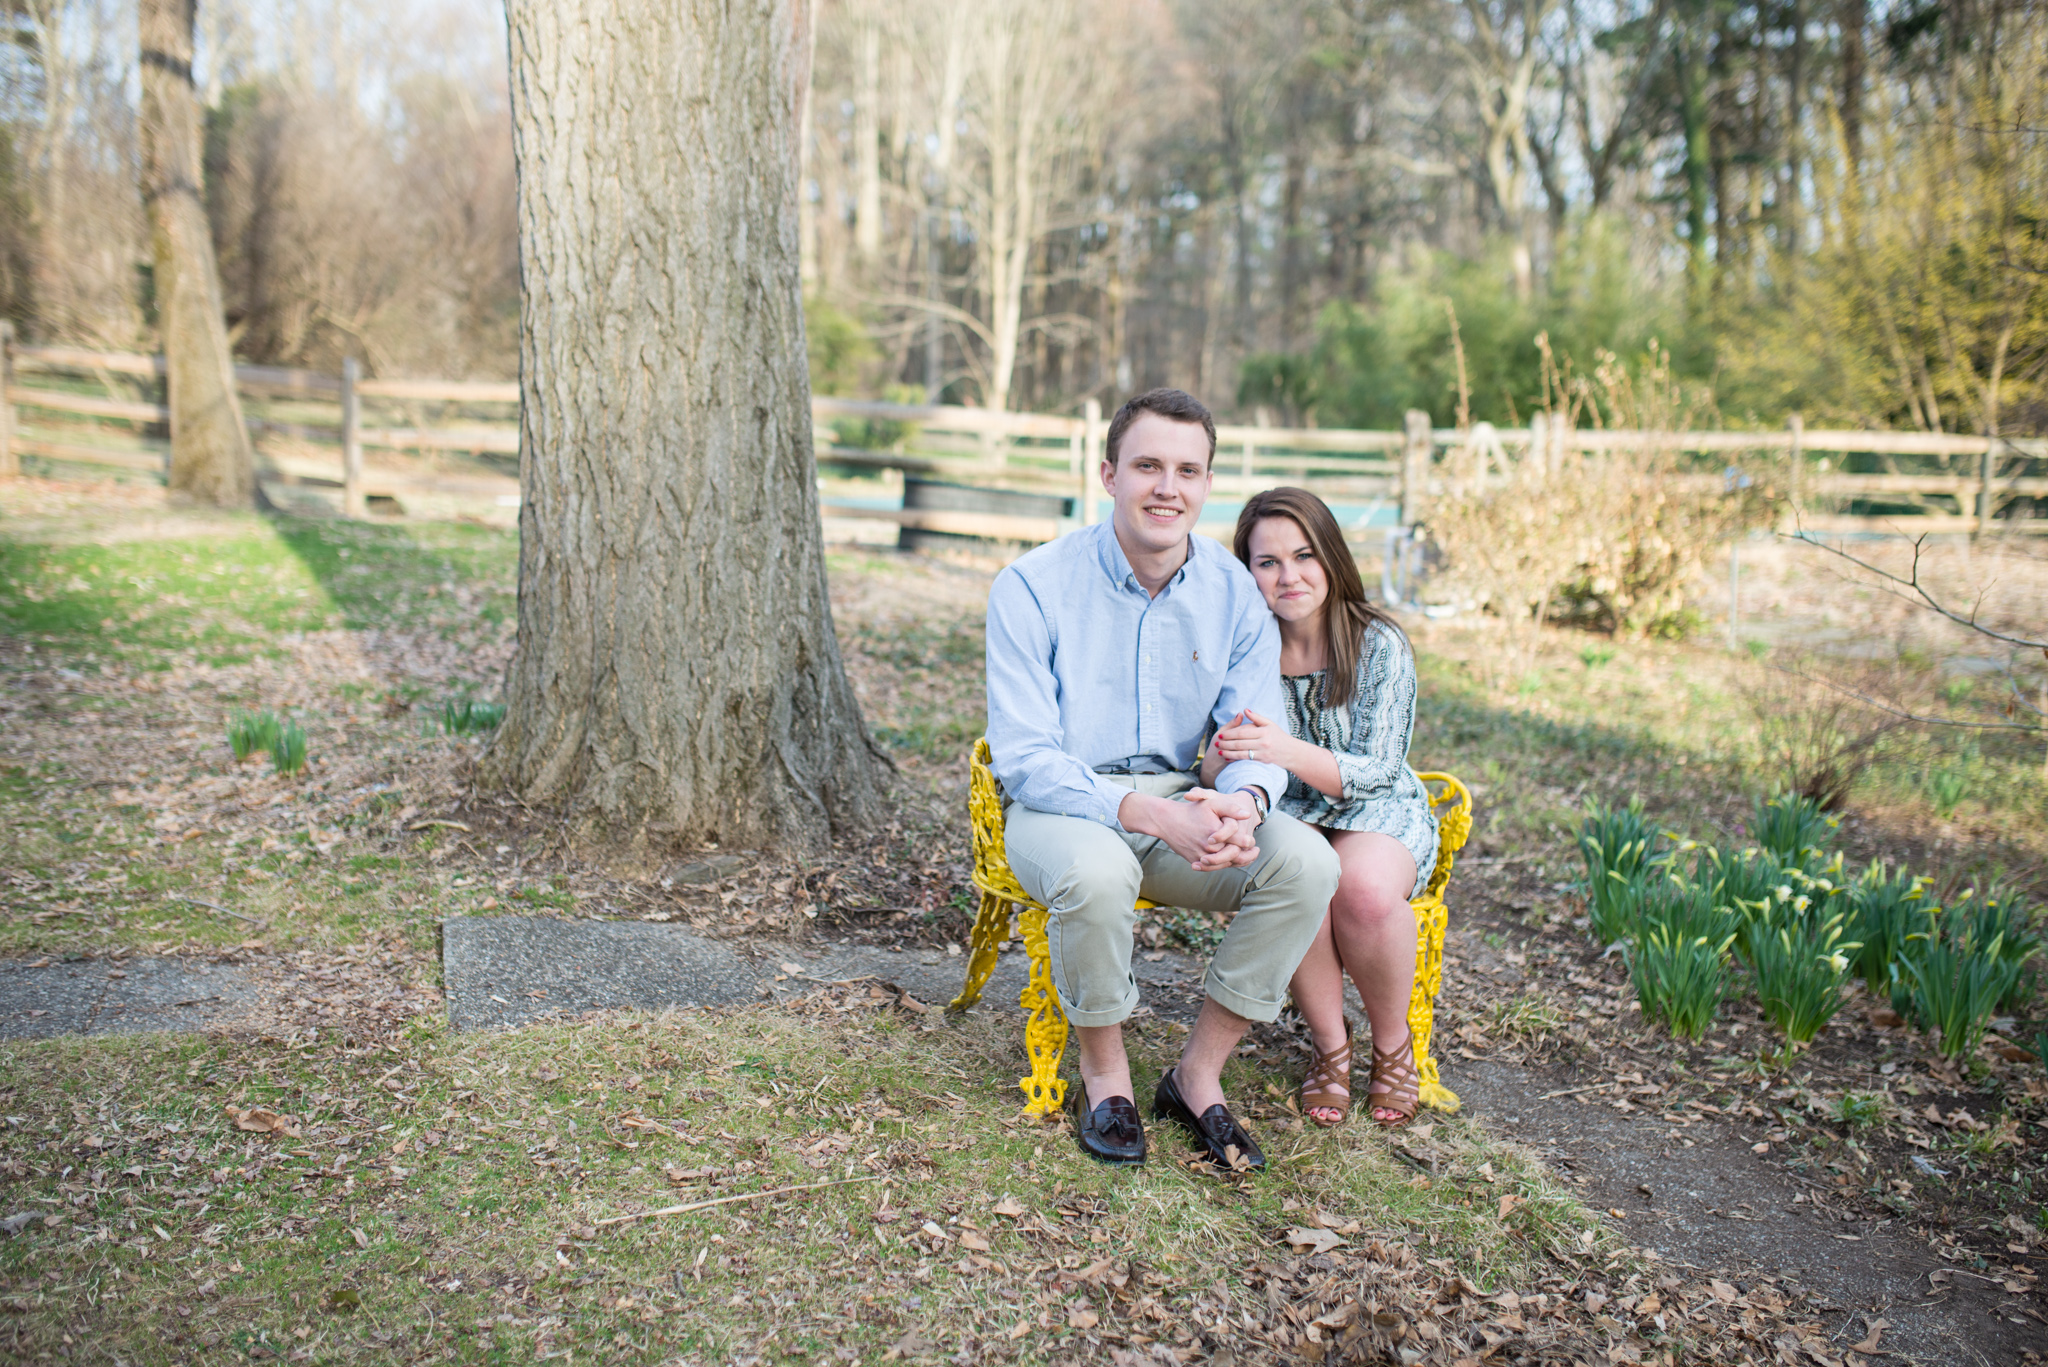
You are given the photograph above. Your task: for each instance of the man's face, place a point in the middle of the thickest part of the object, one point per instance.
(1160, 481)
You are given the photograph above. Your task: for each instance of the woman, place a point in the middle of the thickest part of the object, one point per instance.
(1349, 676)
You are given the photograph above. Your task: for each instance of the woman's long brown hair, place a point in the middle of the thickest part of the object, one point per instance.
(1347, 615)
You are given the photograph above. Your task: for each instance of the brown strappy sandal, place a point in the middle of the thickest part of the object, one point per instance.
(1328, 1084)
(1395, 1086)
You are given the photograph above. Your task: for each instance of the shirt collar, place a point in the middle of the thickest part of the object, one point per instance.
(1117, 566)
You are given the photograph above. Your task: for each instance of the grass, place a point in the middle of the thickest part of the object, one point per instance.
(225, 599)
(478, 1238)
(444, 1193)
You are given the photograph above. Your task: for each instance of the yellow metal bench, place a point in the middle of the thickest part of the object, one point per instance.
(1045, 1030)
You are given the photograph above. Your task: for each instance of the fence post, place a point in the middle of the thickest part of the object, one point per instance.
(10, 461)
(1986, 468)
(351, 441)
(1796, 425)
(1417, 446)
(1091, 424)
(1539, 441)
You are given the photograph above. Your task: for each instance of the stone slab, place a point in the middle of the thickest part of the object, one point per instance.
(504, 971)
(103, 996)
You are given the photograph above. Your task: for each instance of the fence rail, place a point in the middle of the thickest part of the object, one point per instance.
(60, 402)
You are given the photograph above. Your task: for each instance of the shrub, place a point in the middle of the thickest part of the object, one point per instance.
(1680, 980)
(288, 750)
(1621, 850)
(1800, 961)
(252, 733)
(1951, 985)
(461, 716)
(2006, 918)
(1860, 1110)
(1884, 911)
(1793, 828)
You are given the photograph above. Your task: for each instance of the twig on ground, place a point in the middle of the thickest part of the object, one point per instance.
(1573, 1091)
(728, 1200)
(215, 906)
(436, 821)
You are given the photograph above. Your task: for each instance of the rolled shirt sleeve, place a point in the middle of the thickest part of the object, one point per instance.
(1024, 731)
(1252, 684)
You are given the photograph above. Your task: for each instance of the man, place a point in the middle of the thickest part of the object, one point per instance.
(1112, 653)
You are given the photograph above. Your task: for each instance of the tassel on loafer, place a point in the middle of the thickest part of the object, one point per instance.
(1111, 1133)
(1216, 1129)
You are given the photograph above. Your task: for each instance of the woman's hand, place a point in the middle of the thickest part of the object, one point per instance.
(1252, 737)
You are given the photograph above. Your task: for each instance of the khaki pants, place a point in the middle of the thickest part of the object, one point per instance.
(1089, 875)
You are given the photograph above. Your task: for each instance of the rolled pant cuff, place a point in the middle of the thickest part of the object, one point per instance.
(1248, 1007)
(1115, 1015)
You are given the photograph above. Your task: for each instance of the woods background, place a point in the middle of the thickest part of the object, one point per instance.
(1831, 208)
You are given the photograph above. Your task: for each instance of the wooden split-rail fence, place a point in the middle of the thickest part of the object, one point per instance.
(447, 447)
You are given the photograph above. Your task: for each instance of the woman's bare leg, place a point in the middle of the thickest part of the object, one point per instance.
(1372, 928)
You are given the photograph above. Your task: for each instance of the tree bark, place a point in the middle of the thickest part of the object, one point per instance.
(676, 675)
(210, 456)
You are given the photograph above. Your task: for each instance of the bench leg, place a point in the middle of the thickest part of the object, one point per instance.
(991, 928)
(1045, 1033)
(1431, 919)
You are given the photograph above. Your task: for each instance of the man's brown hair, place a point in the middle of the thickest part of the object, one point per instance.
(1347, 613)
(1176, 404)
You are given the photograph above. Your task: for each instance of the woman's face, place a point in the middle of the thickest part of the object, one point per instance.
(1287, 569)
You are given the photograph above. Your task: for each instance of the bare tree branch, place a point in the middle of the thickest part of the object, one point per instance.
(1918, 590)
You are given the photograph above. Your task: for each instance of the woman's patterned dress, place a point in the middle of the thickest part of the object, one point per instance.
(1370, 740)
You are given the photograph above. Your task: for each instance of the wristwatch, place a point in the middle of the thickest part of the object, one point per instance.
(1259, 802)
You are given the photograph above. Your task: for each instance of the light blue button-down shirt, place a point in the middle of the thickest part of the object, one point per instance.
(1086, 669)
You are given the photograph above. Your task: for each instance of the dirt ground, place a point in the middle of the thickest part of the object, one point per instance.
(1917, 1236)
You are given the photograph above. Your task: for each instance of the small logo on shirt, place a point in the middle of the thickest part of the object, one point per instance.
(1198, 654)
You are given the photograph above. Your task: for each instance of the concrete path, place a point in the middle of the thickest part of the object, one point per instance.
(41, 999)
(507, 970)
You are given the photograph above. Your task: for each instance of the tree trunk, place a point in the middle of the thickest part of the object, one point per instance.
(210, 456)
(867, 141)
(676, 674)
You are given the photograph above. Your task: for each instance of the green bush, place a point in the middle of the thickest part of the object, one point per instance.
(1680, 981)
(1884, 911)
(1800, 962)
(288, 750)
(1793, 828)
(1950, 985)
(2007, 918)
(1621, 850)
(252, 733)
(462, 716)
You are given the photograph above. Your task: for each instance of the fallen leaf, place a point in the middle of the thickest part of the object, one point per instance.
(1082, 1319)
(1509, 1202)
(1019, 1330)
(1338, 1318)
(1759, 1147)
(362, 1239)
(1486, 1171)
(1009, 1206)
(970, 1240)
(344, 1298)
(262, 1120)
(912, 1004)
(1723, 1292)
(1873, 1328)
(16, 1223)
(1304, 1239)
